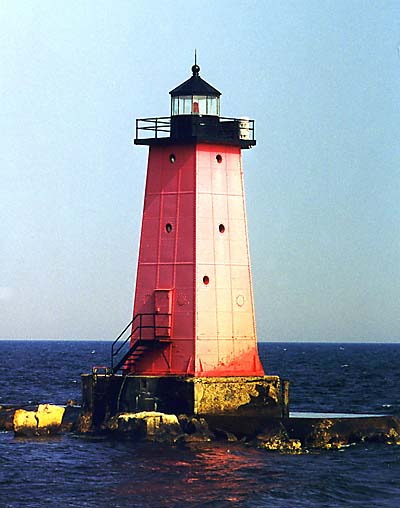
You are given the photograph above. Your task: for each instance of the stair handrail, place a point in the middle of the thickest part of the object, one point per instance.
(140, 327)
(128, 338)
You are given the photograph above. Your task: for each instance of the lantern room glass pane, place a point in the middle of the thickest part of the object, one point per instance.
(188, 105)
(202, 105)
(212, 106)
(195, 106)
(174, 106)
(185, 105)
(199, 105)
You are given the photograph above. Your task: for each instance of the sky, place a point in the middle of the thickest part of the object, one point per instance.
(321, 79)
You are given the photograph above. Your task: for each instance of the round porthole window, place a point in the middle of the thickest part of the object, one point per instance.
(221, 228)
(168, 227)
(206, 280)
(219, 158)
(240, 300)
(172, 158)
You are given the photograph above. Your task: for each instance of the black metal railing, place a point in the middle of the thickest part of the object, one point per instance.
(228, 128)
(159, 127)
(144, 330)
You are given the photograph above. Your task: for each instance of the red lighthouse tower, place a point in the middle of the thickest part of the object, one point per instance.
(191, 345)
(193, 310)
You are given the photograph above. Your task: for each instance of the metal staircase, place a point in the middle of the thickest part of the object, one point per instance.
(146, 331)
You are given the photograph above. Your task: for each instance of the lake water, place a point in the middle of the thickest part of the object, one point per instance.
(72, 471)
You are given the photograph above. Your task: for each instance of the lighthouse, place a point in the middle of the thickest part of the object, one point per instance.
(191, 345)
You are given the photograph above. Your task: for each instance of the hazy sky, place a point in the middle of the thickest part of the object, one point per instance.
(321, 78)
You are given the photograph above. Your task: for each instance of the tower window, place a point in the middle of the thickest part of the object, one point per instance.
(172, 158)
(219, 158)
(221, 228)
(206, 280)
(168, 227)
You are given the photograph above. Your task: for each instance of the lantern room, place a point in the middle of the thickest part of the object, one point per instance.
(195, 117)
(195, 97)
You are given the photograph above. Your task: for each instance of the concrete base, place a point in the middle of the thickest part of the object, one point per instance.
(104, 395)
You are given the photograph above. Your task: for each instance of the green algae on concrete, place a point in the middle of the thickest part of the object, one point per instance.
(237, 395)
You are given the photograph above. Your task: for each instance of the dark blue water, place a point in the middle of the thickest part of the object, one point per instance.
(71, 471)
